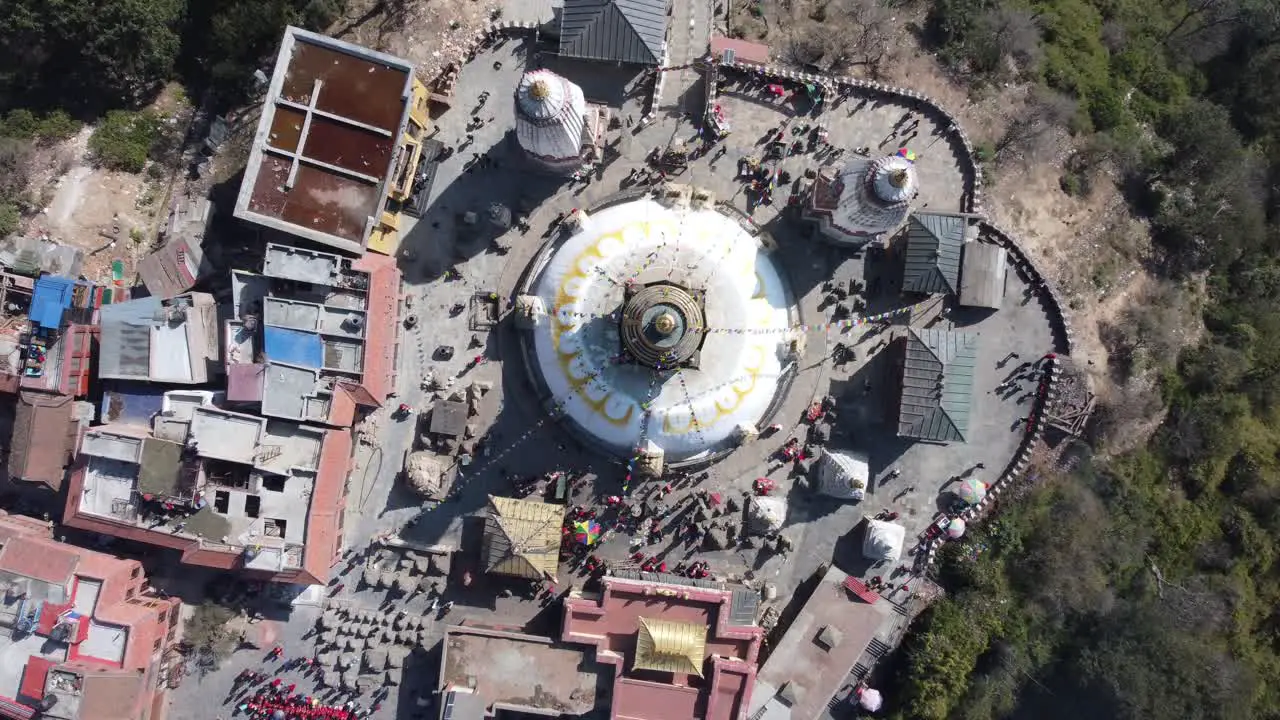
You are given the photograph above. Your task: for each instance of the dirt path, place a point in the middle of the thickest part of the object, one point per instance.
(432, 34)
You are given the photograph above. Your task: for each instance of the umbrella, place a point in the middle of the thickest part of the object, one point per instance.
(972, 491)
(870, 699)
(277, 715)
(955, 528)
(586, 532)
(908, 154)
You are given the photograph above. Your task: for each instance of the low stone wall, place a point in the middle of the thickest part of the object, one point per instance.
(1058, 319)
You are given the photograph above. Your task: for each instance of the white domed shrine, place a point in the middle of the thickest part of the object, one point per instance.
(666, 328)
(865, 199)
(555, 126)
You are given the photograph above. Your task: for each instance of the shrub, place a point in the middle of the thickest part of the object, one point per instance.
(25, 125)
(9, 218)
(123, 140)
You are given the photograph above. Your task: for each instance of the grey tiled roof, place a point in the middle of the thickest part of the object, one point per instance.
(743, 603)
(937, 385)
(125, 339)
(630, 31)
(743, 607)
(934, 243)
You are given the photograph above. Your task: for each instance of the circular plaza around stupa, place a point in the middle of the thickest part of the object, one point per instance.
(665, 328)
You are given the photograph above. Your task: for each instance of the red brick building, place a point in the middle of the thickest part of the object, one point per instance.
(680, 651)
(93, 636)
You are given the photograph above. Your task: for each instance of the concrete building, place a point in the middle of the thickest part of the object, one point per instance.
(172, 341)
(668, 646)
(85, 638)
(314, 336)
(487, 670)
(863, 201)
(817, 651)
(329, 143)
(224, 489)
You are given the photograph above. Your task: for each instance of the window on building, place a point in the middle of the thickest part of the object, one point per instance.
(221, 501)
(156, 646)
(252, 505)
(136, 572)
(130, 593)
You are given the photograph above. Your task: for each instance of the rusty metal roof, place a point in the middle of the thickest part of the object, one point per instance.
(43, 436)
(327, 140)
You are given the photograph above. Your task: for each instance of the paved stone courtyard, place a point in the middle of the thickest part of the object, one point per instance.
(443, 268)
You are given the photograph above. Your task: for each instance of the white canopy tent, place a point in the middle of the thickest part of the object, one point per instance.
(883, 540)
(766, 514)
(843, 474)
(651, 459)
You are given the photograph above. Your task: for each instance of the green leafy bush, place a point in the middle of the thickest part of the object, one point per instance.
(9, 219)
(123, 140)
(26, 125)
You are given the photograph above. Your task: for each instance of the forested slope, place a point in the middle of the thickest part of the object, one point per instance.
(1146, 586)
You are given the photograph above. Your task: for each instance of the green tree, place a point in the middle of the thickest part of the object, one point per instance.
(226, 40)
(86, 54)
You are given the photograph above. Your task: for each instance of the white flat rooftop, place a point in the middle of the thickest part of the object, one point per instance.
(108, 489)
(225, 435)
(110, 446)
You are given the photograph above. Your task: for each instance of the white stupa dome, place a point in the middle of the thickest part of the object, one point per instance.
(550, 117)
(666, 326)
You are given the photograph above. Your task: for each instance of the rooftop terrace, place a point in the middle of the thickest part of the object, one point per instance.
(249, 480)
(521, 672)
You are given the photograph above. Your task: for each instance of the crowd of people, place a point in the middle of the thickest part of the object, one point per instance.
(265, 696)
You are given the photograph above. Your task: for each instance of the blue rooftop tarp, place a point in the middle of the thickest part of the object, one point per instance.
(134, 403)
(49, 298)
(294, 347)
